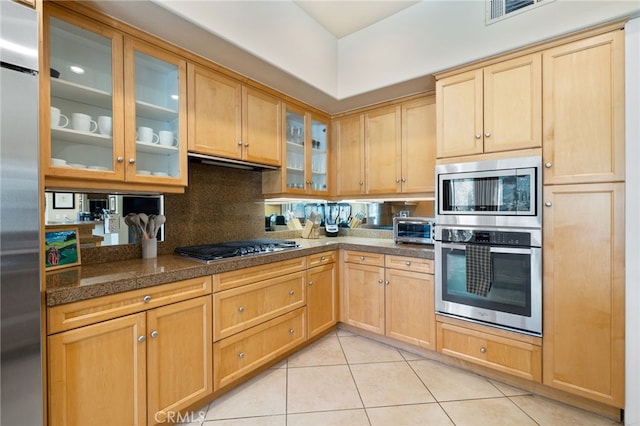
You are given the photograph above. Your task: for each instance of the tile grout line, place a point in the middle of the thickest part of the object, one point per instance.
(364, 408)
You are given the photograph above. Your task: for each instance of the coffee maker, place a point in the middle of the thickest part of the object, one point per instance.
(331, 220)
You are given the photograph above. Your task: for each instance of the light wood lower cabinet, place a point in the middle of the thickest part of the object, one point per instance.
(514, 353)
(322, 300)
(131, 369)
(396, 301)
(238, 355)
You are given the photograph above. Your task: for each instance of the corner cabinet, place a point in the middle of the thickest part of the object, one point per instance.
(115, 108)
(306, 148)
(230, 120)
(491, 109)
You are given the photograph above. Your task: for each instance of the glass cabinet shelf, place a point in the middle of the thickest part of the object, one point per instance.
(76, 92)
(84, 138)
(155, 112)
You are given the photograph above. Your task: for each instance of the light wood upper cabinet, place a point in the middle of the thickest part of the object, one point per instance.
(382, 148)
(583, 339)
(584, 110)
(492, 109)
(348, 137)
(230, 120)
(418, 146)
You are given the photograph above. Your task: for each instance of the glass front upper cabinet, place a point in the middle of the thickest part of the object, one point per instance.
(155, 111)
(318, 182)
(296, 159)
(84, 112)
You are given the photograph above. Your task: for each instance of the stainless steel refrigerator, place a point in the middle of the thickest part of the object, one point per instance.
(20, 297)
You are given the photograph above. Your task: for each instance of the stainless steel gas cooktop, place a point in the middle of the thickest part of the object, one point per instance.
(209, 253)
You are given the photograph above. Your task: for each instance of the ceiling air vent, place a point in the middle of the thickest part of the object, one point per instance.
(500, 9)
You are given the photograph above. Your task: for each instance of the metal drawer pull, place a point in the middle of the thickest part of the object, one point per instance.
(362, 258)
(323, 258)
(154, 334)
(141, 339)
(291, 292)
(548, 164)
(548, 204)
(241, 309)
(407, 263)
(241, 355)
(291, 331)
(146, 299)
(483, 350)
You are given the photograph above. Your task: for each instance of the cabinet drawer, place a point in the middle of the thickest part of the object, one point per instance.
(232, 279)
(77, 314)
(238, 355)
(243, 307)
(364, 258)
(321, 259)
(409, 264)
(510, 356)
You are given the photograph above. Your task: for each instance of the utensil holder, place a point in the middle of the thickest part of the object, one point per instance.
(149, 248)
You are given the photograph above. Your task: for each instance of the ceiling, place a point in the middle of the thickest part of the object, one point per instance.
(342, 18)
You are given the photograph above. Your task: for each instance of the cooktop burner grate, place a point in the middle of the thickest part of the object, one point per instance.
(211, 252)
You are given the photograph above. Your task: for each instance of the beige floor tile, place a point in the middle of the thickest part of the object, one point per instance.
(448, 383)
(264, 395)
(409, 415)
(389, 383)
(341, 332)
(486, 412)
(552, 413)
(410, 356)
(329, 418)
(280, 420)
(281, 364)
(360, 350)
(509, 390)
(321, 389)
(326, 351)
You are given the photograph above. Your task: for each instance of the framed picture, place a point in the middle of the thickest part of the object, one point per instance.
(61, 248)
(63, 200)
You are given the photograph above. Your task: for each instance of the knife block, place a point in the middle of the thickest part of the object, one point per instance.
(310, 230)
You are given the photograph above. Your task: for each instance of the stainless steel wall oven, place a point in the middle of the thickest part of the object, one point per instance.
(489, 242)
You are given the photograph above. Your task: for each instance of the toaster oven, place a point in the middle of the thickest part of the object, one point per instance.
(416, 230)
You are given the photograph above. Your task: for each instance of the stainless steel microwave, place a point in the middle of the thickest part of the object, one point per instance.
(416, 230)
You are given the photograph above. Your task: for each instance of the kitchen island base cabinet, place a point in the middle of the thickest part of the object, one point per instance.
(238, 355)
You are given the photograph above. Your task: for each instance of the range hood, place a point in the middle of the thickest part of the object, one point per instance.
(227, 162)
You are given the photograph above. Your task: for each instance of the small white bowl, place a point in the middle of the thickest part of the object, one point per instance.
(58, 162)
(160, 174)
(78, 165)
(144, 172)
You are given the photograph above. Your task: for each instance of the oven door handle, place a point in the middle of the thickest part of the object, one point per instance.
(510, 250)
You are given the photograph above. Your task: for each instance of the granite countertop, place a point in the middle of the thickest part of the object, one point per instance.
(86, 282)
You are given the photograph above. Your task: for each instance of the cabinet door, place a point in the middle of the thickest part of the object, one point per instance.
(82, 115)
(318, 166)
(215, 123)
(583, 110)
(97, 374)
(419, 145)
(296, 161)
(459, 114)
(261, 123)
(583, 339)
(410, 315)
(349, 144)
(383, 150)
(513, 104)
(179, 353)
(321, 299)
(155, 115)
(364, 297)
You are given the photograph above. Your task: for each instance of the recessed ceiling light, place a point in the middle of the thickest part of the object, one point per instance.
(76, 69)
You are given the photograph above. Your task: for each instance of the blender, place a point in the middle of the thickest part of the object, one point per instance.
(331, 220)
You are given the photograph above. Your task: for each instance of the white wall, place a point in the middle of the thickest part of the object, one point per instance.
(632, 310)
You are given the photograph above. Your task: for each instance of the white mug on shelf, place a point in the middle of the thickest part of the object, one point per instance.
(145, 134)
(104, 125)
(55, 118)
(83, 123)
(166, 138)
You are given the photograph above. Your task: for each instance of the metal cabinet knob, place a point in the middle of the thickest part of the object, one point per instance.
(146, 299)
(483, 350)
(386, 282)
(291, 292)
(241, 355)
(310, 283)
(398, 180)
(241, 309)
(132, 160)
(380, 281)
(323, 258)
(361, 258)
(548, 204)
(120, 159)
(487, 134)
(246, 144)
(361, 183)
(154, 334)
(407, 263)
(291, 331)
(548, 164)
(240, 143)
(478, 135)
(141, 339)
